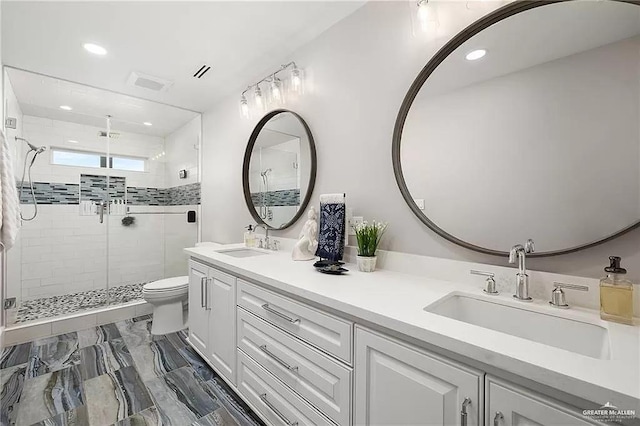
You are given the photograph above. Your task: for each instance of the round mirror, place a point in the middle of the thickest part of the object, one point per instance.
(279, 169)
(526, 125)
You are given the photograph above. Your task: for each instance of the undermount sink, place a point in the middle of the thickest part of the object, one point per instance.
(568, 334)
(242, 252)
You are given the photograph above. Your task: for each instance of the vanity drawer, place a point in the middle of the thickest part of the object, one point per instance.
(272, 399)
(316, 377)
(329, 333)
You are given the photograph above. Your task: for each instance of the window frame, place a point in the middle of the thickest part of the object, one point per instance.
(102, 159)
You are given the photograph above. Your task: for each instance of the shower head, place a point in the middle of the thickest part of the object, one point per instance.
(32, 147)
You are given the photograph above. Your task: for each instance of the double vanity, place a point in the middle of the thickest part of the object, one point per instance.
(398, 348)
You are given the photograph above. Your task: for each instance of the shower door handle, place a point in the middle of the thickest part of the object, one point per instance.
(101, 206)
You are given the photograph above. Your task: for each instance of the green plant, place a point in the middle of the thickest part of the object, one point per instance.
(369, 236)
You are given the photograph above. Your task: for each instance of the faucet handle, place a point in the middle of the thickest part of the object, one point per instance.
(513, 253)
(529, 246)
(558, 299)
(490, 282)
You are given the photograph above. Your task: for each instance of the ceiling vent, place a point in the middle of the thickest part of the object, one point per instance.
(112, 135)
(149, 82)
(202, 71)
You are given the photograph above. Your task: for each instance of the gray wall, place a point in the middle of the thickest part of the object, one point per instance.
(357, 75)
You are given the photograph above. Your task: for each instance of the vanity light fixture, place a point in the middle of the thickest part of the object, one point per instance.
(95, 49)
(475, 54)
(66, 107)
(277, 89)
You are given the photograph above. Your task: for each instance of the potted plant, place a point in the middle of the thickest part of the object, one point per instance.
(368, 236)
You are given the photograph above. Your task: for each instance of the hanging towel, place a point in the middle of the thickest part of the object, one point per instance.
(332, 227)
(9, 202)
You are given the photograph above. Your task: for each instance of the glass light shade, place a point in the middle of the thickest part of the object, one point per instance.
(297, 80)
(426, 16)
(276, 91)
(257, 96)
(244, 107)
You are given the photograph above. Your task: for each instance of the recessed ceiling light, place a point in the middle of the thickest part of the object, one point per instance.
(95, 49)
(66, 107)
(146, 123)
(475, 54)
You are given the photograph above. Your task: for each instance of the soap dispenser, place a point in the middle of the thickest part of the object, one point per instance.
(616, 294)
(250, 237)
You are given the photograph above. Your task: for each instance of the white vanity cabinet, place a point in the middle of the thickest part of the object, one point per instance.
(398, 384)
(212, 316)
(511, 405)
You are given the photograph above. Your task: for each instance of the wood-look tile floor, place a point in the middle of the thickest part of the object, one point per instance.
(115, 374)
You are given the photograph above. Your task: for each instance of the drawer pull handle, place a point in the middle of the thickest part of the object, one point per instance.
(202, 285)
(268, 308)
(498, 418)
(463, 411)
(277, 412)
(264, 349)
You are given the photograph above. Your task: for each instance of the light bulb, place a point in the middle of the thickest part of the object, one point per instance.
(257, 94)
(244, 107)
(276, 93)
(424, 14)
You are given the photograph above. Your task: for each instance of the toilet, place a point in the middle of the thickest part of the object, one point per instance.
(168, 297)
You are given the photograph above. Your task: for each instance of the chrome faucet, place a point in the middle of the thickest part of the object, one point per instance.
(519, 252)
(267, 244)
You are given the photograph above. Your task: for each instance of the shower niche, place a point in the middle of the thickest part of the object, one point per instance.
(98, 164)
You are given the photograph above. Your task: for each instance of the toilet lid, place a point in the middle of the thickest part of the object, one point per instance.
(167, 284)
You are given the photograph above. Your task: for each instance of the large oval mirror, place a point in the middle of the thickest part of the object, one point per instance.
(279, 169)
(527, 125)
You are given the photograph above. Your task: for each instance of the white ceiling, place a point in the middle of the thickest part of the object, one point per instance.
(42, 96)
(534, 37)
(171, 40)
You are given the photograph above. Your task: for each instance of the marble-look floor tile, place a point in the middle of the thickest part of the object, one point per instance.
(115, 396)
(134, 332)
(179, 339)
(15, 355)
(236, 407)
(67, 338)
(53, 356)
(148, 417)
(50, 394)
(100, 334)
(197, 363)
(104, 357)
(76, 417)
(12, 382)
(156, 358)
(220, 417)
(182, 397)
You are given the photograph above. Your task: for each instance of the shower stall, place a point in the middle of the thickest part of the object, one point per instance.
(105, 187)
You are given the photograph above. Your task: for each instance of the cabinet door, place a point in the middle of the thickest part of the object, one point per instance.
(222, 323)
(509, 405)
(198, 314)
(398, 384)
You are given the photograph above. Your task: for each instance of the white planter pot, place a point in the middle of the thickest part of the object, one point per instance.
(367, 263)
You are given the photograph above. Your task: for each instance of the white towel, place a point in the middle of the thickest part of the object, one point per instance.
(9, 202)
(332, 198)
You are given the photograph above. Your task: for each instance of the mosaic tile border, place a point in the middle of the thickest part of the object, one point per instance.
(93, 187)
(284, 197)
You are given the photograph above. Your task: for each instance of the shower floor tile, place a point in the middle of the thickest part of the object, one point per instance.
(115, 374)
(54, 306)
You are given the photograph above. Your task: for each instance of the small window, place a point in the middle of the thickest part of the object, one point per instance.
(63, 157)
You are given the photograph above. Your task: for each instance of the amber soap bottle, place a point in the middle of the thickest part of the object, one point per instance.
(616, 294)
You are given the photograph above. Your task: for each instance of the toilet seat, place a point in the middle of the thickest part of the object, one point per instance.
(167, 285)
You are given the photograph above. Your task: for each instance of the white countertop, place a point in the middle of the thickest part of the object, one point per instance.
(396, 301)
